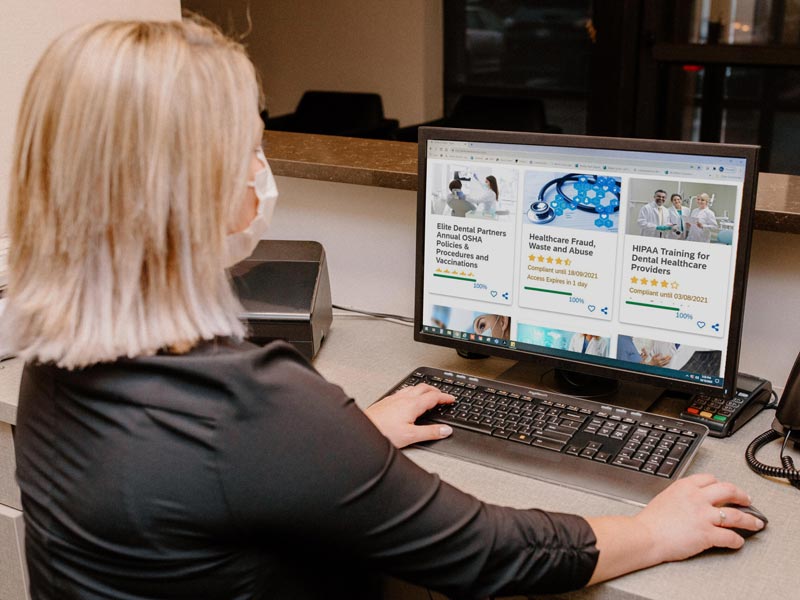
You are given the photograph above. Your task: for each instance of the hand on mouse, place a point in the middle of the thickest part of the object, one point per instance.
(394, 416)
(686, 518)
(680, 522)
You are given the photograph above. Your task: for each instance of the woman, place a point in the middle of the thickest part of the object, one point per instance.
(493, 326)
(157, 453)
(703, 221)
(488, 195)
(677, 217)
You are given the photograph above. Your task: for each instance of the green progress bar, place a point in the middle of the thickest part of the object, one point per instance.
(533, 289)
(651, 305)
(453, 277)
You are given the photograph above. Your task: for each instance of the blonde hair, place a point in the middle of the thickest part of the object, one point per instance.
(131, 158)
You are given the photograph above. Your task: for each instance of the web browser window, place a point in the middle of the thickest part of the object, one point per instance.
(608, 257)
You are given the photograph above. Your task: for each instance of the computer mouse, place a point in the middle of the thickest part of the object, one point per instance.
(750, 510)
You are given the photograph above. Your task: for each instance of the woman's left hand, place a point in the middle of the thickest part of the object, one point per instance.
(394, 416)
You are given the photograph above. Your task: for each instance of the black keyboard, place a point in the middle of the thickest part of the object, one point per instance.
(605, 449)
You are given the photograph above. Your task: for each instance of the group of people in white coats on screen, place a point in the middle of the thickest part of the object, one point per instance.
(676, 222)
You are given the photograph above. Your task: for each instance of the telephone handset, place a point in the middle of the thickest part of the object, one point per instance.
(788, 415)
(787, 426)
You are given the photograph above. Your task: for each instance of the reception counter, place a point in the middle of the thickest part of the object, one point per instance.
(394, 165)
(367, 356)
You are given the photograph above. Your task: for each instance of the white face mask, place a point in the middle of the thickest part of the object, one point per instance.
(488, 331)
(241, 244)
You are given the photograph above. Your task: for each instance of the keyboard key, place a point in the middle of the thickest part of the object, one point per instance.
(547, 444)
(501, 433)
(464, 424)
(628, 463)
(667, 468)
(678, 451)
(554, 435)
(561, 429)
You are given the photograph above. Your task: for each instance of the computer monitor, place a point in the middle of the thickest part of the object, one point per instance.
(575, 253)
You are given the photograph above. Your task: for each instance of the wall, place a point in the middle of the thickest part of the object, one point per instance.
(392, 47)
(369, 237)
(26, 29)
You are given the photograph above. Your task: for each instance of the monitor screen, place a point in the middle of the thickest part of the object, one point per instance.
(616, 258)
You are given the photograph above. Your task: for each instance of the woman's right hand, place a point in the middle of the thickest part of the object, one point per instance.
(680, 522)
(685, 518)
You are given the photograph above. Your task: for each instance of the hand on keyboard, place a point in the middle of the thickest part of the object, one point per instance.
(608, 449)
(394, 415)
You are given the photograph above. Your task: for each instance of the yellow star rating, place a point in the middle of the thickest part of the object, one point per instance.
(634, 280)
(664, 284)
(674, 285)
(559, 260)
(654, 282)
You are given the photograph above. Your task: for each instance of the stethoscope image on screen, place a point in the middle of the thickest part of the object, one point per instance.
(589, 194)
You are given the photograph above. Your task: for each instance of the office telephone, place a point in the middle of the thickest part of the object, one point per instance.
(787, 426)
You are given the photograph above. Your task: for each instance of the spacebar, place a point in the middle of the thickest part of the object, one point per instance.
(487, 429)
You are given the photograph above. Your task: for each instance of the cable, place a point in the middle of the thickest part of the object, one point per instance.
(774, 404)
(376, 315)
(788, 470)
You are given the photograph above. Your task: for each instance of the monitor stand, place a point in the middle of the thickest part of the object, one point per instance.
(635, 396)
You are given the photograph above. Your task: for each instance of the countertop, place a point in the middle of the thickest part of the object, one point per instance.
(394, 165)
(367, 357)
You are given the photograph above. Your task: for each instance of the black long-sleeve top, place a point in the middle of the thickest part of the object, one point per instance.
(238, 472)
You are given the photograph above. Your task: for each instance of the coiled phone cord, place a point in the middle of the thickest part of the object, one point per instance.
(788, 471)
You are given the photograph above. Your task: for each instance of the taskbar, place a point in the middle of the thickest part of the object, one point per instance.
(617, 363)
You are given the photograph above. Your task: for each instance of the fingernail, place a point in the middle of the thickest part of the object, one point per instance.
(749, 499)
(445, 430)
(760, 523)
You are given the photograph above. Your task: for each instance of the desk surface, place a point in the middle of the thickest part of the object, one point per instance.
(366, 357)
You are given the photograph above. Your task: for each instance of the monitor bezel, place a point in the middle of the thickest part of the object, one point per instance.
(749, 153)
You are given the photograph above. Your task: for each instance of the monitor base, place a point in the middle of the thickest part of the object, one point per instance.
(635, 396)
(578, 384)
(471, 355)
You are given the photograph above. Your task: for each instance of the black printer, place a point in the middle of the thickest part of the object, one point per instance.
(286, 293)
